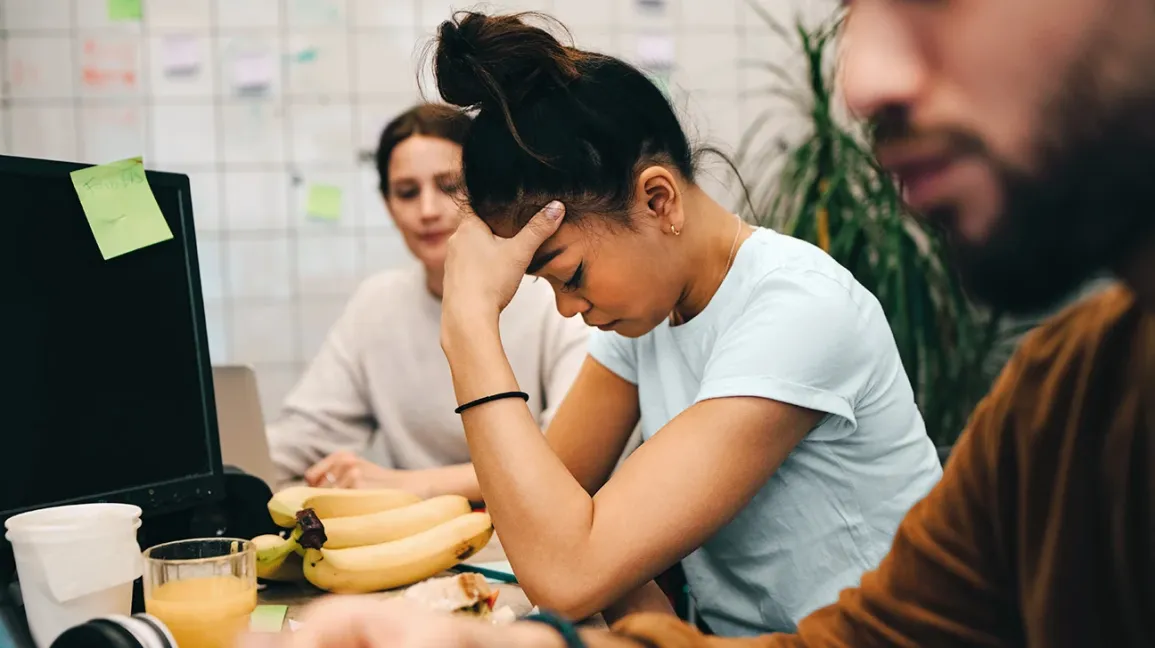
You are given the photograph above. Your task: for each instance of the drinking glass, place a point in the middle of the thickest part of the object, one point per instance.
(203, 589)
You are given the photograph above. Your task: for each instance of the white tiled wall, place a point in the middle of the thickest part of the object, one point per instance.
(75, 86)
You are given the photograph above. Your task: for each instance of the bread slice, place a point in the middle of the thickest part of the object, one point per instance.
(467, 594)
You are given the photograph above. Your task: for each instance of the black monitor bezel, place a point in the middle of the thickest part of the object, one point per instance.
(175, 494)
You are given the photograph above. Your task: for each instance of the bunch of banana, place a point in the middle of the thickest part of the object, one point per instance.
(376, 567)
(357, 541)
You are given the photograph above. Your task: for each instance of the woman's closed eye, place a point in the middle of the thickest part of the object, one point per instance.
(407, 192)
(451, 186)
(575, 280)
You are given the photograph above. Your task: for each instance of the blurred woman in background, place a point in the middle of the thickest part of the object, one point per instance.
(375, 407)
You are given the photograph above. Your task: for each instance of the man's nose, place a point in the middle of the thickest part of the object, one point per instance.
(880, 66)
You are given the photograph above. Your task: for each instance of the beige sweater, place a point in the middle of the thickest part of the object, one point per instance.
(381, 386)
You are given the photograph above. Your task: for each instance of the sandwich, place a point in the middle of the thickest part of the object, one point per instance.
(466, 594)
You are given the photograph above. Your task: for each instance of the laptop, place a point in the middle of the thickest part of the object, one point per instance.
(242, 426)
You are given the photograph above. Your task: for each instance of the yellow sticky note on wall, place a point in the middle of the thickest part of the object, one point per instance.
(124, 9)
(120, 207)
(324, 202)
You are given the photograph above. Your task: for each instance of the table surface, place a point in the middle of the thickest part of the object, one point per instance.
(299, 595)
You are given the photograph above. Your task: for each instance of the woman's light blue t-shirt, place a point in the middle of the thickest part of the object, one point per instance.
(790, 324)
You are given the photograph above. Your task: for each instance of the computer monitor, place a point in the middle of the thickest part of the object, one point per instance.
(107, 391)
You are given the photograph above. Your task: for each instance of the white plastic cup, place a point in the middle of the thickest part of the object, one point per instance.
(75, 563)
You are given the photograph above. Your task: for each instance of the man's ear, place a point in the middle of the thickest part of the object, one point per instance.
(659, 190)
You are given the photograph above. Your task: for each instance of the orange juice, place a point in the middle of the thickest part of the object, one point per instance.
(209, 612)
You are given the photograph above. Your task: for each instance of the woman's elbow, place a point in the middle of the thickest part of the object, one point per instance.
(567, 597)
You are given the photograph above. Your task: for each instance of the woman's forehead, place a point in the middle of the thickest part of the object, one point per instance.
(511, 223)
(566, 237)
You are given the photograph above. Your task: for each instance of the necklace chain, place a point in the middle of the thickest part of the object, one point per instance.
(675, 319)
(733, 248)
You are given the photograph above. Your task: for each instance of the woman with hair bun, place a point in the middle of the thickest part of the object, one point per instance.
(782, 442)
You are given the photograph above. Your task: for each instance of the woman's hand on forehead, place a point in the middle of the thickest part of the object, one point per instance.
(483, 270)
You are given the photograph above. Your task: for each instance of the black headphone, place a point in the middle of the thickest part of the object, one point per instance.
(137, 631)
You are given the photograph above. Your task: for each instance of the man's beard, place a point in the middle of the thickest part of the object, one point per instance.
(1086, 208)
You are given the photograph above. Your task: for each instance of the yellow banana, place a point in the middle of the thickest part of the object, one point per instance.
(292, 570)
(393, 524)
(360, 570)
(285, 504)
(335, 503)
(277, 558)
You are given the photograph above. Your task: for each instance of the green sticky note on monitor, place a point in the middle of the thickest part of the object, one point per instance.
(324, 202)
(120, 207)
(267, 618)
(124, 9)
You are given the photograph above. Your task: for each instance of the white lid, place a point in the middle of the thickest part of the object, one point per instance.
(60, 522)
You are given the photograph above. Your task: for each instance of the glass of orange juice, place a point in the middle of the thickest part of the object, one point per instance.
(203, 589)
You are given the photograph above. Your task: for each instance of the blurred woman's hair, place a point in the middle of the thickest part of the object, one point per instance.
(427, 119)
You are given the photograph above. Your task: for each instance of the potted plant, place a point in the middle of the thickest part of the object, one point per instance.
(829, 190)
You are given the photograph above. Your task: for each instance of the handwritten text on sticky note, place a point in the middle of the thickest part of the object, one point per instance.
(124, 9)
(324, 202)
(253, 72)
(120, 207)
(656, 51)
(181, 55)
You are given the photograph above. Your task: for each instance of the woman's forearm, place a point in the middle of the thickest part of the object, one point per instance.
(459, 479)
(543, 514)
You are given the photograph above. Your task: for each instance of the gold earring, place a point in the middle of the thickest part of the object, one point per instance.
(673, 230)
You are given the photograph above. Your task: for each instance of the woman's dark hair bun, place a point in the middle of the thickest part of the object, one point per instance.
(552, 122)
(499, 61)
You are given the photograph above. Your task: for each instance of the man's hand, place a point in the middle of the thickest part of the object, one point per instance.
(344, 469)
(362, 622)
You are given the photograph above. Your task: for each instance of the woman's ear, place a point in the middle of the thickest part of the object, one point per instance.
(659, 190)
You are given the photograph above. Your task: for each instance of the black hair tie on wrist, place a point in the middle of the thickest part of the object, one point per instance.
(489, 399)
(566, 629)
